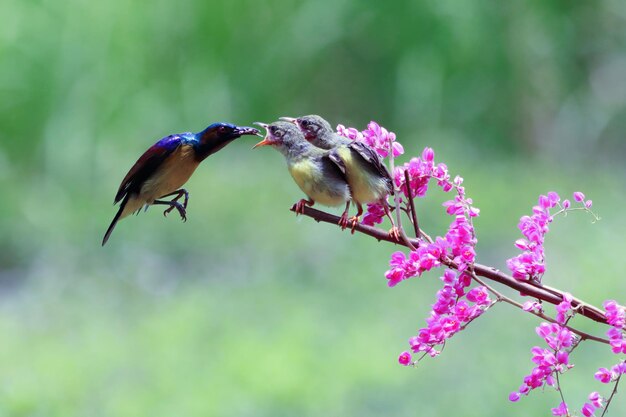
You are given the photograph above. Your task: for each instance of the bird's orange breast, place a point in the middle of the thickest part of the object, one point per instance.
(172, 174)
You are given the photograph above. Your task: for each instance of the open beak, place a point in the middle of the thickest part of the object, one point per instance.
(264, 142)
(248, 131)
(289, 119)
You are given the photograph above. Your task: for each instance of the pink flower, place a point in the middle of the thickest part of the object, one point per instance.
(532, 306)
(479, 296)
(603, 375)
(514, 397)
(374, 214)
(620, 368)
(596, 399)
(561, 410)
(404, 358)
(588, 410)
(615, 314)
(563, 308)
(579, 197)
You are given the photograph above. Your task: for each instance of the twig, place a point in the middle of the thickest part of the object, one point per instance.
(504, 298)
(608, 402)
(396, 200)
(525, 288)
(558, 384)
(411, 204)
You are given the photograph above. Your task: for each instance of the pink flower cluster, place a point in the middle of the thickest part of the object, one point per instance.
(605, 375)
(374, 214)
(424, 258)
(595, 402)
(530, 264)
(451, 312)
(616, 317)
(458, 243)
(564, 308)
(561, 410)
(548, 361)
(376, 136)
(421, 170)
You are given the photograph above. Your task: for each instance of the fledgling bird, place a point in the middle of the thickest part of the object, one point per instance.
(317, 175)
(367, 175)
(166, 166)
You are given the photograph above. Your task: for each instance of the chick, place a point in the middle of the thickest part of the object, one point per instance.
(367, 175)
(313, 169)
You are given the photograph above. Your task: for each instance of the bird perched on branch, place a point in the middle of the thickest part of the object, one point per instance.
(367, 175)
(166, 166)
(312, 168)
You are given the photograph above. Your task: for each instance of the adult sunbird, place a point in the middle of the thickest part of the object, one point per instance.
(367, 175)
(166, 166)
(312, 168)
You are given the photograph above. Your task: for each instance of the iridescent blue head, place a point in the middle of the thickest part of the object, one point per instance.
(218, 135)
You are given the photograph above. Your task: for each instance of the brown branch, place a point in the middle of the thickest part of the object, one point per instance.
(535, 290)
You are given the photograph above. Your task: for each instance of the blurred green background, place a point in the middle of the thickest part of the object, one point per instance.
(246, 310)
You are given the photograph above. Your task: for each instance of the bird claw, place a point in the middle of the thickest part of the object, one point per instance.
(355, 222)
(394, 233)
(343, 221)
(181, 210)
(300, 205)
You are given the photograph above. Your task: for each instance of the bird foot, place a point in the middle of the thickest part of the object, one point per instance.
(186, 199)
(300, 205)
(355, 222)
(343, 221)
(181, 210)
(394, 233)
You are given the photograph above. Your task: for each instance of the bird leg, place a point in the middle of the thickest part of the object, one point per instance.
(300, 205)
(173, 205)
(394, 232)
(178, 194)
(343, 220)
(355, 219)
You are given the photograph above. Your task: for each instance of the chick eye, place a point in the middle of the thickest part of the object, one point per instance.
(304, 123)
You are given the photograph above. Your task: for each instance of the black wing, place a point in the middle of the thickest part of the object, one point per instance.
(374, 161)
(336, 159)
(146, 165)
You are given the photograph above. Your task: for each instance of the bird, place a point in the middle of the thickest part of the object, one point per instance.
(368, 177)
(312, 168)
(166, 166)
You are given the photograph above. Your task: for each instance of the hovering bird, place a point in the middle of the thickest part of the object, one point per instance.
(312, 168)
(367, 175)
(166, 166)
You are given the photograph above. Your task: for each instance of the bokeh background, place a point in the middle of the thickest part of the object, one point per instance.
(246, 310)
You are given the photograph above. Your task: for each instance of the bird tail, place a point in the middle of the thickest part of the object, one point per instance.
(115, 220)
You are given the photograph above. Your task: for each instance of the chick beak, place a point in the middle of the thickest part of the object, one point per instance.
(264, 142)
(248, 131)
(289, 119)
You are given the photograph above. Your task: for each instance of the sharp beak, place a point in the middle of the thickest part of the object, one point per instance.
(289, 119)
(264, 142)
(263, 125)
(248, 131)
